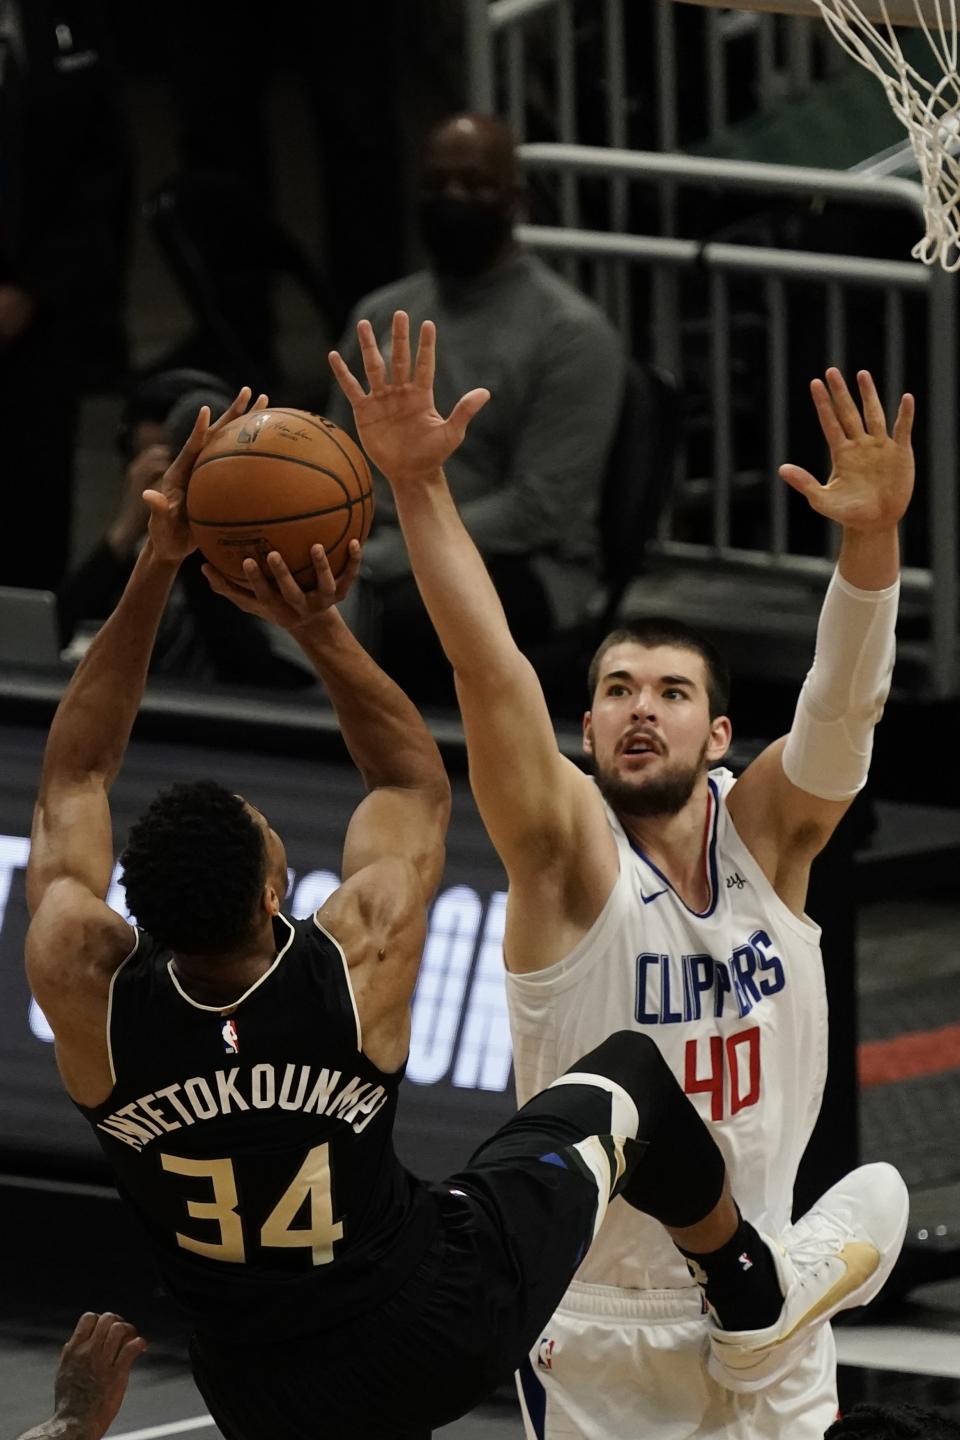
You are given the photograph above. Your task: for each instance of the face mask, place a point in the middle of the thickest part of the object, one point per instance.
(462, 237)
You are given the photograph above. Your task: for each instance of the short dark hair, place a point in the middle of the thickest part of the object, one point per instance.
(893, 1422)
(194, 867)
(656, 631)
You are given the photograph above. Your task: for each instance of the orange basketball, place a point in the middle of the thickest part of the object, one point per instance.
(279, 480)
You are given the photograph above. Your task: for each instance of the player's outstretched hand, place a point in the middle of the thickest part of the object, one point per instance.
(275, 595)
(398, 423)
(168, 527)
(93, 1373)
(871, 475)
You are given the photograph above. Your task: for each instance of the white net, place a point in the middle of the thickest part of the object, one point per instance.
(928, 109)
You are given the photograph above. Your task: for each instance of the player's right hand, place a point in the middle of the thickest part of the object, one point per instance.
(398, 423)
(273, 593)
(93, 1373)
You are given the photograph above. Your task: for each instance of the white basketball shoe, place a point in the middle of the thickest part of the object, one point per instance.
(834, 1258)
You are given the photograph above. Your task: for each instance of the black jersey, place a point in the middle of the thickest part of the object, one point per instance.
(255, 1143)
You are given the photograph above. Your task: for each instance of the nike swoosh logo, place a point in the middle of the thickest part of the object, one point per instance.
(861, 1261)
(655, 896)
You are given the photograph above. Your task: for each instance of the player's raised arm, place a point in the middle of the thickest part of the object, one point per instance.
(71, 848)
(524, 788)
(791, 798)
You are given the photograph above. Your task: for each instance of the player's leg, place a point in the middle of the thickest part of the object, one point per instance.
(620, 1119)
(618, 1123)
(764, 1293)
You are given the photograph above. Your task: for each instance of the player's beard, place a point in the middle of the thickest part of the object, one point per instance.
(666, 794)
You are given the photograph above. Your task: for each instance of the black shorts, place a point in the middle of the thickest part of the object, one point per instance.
(514, 1226)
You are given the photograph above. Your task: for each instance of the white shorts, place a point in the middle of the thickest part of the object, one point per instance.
(616, 1365)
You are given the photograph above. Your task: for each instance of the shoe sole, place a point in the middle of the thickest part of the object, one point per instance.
(862, 1294)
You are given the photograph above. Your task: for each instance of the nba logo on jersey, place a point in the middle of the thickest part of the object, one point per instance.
(545, 1354)
(231, 1040)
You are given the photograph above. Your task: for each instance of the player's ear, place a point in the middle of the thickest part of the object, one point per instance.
(721, 733)
(587, 732)
(270, 900)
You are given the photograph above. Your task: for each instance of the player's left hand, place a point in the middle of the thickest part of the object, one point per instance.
(93, 1373)
(168, 527)
(274, 594)
(871, 477)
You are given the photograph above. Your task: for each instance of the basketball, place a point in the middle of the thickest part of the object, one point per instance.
(281, 480)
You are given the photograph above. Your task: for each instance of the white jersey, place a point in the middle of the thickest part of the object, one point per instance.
(734, 998)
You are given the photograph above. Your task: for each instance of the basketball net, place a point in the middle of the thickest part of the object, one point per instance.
(930, 113)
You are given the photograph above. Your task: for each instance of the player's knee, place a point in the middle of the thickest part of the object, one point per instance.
(632, 1060)
(628, 1047)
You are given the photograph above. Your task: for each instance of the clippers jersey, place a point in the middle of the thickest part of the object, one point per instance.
(734, 998)
(254, 1142)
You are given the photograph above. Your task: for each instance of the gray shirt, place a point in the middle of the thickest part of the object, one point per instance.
(527, 478)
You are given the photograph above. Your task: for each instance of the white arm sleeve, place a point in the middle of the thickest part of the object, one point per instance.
(828, 750)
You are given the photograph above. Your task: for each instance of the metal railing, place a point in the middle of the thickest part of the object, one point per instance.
(510, 46)
(914, 300)
(519, 50)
